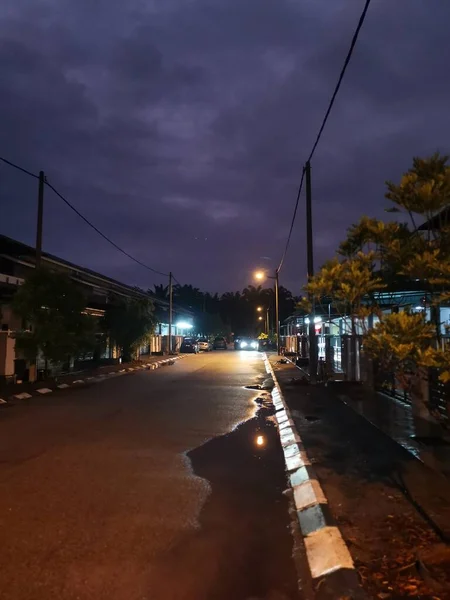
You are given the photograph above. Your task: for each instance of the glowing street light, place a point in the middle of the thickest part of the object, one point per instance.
(260, 276)
(260, 318)
(259, 308)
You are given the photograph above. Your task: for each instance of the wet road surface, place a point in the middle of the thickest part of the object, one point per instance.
(148, 486)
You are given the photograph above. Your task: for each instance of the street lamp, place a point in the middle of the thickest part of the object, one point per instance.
(260, 309)
(260, 276)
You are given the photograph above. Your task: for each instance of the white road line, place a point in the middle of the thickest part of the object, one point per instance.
(3, 401)
(44, 391)
(77, 381)
(62, 386)
(22, 396)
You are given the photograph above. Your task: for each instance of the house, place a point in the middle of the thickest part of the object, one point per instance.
(17, 261)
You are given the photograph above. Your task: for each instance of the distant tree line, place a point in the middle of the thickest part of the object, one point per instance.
(231, 312)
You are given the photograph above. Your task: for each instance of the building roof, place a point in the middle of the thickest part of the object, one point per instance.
(26, 255)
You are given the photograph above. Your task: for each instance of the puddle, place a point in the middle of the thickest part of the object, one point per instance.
(244, 545)
(312, 418)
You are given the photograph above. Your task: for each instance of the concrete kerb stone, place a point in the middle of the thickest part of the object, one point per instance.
(326, 551)
(97, 379)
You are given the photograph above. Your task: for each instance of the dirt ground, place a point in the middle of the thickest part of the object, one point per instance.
(393, 511)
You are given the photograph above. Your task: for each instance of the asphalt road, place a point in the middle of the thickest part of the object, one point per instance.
(149, 486)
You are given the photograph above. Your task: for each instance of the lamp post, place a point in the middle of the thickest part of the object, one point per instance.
(266, 324)
(260, 276)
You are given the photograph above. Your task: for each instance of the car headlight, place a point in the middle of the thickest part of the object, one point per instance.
(243, 344)
(254, 345)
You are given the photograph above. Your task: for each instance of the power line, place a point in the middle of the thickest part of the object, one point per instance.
(105, 237)
(76, 211)
(325, 119)
(11, 164)
(341, 76)
(292, 222)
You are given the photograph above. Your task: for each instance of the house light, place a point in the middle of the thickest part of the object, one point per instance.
(316, 320)
(184, 325)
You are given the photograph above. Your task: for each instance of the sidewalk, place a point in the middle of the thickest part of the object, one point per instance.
(395, 419)
(392, 509)
(9, 391)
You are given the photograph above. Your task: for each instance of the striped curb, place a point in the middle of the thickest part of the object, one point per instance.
(97, 379)
(329, 559)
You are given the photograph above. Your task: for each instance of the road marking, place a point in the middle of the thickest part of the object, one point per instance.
(63, 386)
(22, 396)
(3, 401)
(44, 391)
(77, 381)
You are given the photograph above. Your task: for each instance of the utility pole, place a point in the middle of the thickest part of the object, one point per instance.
(310, 261)
(267, 321)
(277, 312)
(170, 311)
(40, 217)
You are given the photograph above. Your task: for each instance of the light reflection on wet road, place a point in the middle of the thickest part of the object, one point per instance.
(99, 500)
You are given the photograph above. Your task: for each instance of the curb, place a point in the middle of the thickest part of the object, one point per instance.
(63, 386)
(329, 560)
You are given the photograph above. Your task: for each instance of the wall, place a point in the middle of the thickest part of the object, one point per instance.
(7, 354)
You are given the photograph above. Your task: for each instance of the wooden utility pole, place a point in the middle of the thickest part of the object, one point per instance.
(170, 310)
(277, 311)
(310, 261)
(40, 217)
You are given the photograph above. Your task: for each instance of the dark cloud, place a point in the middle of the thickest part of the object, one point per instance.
(181, 128)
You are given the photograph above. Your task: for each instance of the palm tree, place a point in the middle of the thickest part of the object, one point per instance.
(161, 291)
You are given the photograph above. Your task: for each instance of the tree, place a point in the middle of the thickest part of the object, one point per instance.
(129, 322)
(54, 307)
(161, 291)
(347, 285)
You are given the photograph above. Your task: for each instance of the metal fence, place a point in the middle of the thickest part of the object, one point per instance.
(438, 392)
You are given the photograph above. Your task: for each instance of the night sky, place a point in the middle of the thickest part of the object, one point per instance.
(180, 127)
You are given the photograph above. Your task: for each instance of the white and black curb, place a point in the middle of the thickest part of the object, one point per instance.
(329, 559)
(63, 386)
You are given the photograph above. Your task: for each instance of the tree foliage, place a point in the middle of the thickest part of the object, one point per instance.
(54, 307)
(129, 322)
(377, 255)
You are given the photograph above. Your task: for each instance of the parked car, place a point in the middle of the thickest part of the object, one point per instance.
(220, 343)
(189, 345)
(204, 344)
(247, 344)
